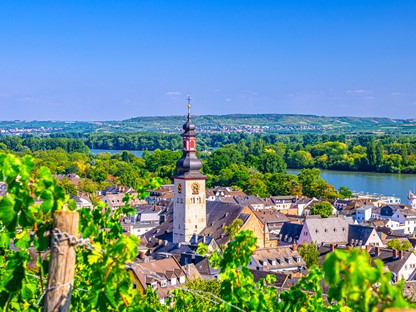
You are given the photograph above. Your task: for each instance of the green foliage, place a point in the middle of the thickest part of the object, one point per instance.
(310, 254)
(398, 245)
(345, 191)
(324, 209)
(354, 282)
(101, 282)
(232, 229)
(314, 186)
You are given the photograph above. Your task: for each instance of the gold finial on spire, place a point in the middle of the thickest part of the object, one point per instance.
(189, 105)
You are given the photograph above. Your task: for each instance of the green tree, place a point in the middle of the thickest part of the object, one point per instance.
(398, 245)
(310, 254)
(222, 158)
(345, 191)
(324, 209)
(271, 163)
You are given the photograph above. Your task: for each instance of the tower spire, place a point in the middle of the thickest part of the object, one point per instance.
(189, 107)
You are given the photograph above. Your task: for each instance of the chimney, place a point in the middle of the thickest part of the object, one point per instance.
(332, 247)
(401, 253)
(377, 251)
(141, 255)
(395, 254)
(294, 247)
(165, 242)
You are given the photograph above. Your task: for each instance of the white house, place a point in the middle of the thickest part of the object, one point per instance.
(406, 218)
(363, 213)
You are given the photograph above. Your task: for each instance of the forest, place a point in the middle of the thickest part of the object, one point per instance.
(386, 153)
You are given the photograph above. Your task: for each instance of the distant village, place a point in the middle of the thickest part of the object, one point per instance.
(173, 219)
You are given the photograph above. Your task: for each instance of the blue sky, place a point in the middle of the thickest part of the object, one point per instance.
(106, 60)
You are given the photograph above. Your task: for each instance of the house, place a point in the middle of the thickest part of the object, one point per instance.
(387, 211)
(161, 275)
(283, 202)
(116, 200)
(82, 202)
(277, 259)
(327, 230)
(117, 189)
(341, 204)
(253, 201)
(274, 220)
(144, 220)
(406, 218)
(361, 235)
(73, 178)
(401, 263)
(363, 213)
(164, 192)
(221, 192)
(303, 205)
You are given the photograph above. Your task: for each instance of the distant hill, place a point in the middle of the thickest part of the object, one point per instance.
(245, 123)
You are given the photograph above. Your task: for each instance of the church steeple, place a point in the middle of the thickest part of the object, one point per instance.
(189, 165)
(189, 202)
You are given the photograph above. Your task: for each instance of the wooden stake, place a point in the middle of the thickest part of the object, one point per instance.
(62, 263)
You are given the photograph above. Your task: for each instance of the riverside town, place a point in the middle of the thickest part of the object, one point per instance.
(287, 182)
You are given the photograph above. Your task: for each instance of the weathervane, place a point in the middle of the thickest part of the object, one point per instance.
(189, 106)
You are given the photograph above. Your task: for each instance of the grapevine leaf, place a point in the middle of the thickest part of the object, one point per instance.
(7, 213)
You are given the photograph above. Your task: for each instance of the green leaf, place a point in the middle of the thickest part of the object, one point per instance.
(7, 213)
(22, 240)
(28, 291)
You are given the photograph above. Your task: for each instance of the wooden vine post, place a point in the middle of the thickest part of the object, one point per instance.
(62, 262)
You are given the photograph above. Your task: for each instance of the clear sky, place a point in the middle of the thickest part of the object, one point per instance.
(107, 60)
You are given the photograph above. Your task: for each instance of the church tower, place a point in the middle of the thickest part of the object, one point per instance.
(189, 206)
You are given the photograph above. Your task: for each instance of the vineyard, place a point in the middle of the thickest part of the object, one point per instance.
(35, 237)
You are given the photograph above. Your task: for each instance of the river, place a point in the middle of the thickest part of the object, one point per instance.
(98, 151)
(392, 184)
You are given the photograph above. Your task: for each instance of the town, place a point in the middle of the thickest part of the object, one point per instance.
(174, 219)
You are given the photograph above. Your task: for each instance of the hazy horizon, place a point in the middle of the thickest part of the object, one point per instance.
(112, 60)
(194, 115)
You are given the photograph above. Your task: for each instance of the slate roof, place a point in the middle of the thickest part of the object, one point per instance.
(386, 255)
(364, 208)
(271, 216)
(248, 200)
(359, 232)
(290, 230)
(278, 258)
(328, 230)
(204, 268)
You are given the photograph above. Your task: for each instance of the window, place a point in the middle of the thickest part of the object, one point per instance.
(179, 187)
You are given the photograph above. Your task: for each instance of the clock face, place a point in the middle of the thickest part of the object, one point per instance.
(179, 187)
(195, 188)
